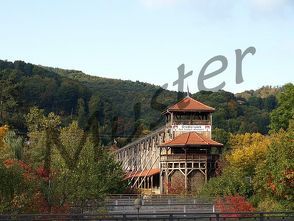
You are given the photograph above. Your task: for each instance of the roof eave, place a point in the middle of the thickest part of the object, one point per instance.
(191, 110)
(191, 145)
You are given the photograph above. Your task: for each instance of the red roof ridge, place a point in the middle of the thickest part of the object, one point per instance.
(188, 138)
(190, 104)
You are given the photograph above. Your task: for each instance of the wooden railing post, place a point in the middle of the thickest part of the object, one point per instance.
(261, 217)
(217, 217)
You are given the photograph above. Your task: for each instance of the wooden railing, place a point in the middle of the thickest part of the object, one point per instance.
(180, 157)
(189, 122)
(123, 216)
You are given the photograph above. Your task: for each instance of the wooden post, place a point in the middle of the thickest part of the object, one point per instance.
(186, 171)
(210, 124)
(160, 182)
(206, 172)
(167, 182)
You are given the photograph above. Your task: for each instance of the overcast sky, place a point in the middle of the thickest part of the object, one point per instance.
(147, 40)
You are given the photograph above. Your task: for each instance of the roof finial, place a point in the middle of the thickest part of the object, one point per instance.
(188, 94)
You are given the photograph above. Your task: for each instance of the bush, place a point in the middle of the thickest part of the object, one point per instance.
(234, 204)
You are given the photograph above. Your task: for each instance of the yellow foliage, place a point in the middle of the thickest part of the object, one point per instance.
(248, 150)
(3, 130)
(241, 140)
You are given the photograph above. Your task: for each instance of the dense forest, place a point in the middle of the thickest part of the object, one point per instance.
(124, 109)
(55, 124)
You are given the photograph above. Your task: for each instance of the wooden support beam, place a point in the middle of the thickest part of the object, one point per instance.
(186, 172)
(205, 172)
(161, 182)
(151, 184)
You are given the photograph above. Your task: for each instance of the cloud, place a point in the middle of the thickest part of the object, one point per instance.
(159, 3)
(262, 5)
(269, 5)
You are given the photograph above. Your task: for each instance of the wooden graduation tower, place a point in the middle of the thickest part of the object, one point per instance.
(179, 157)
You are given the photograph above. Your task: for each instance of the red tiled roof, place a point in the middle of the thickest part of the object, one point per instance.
(191, 139)
(143, 173)
(190, 104)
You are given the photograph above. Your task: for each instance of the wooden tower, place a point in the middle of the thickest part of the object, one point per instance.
(179, 157)
(189, 158)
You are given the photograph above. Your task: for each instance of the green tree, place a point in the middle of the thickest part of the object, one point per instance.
(15, 189)
(270, 102)
(275, 177)
(91, 179)
(14, 145)
(8, 95)
(233, 181)
(82, 113)
(281, 116)
(76, 169)
(43, 133)
(220, 135)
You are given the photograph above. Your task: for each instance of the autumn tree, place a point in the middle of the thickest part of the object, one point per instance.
(248, 150)
(43, 132)
(14, 146)
(259, 168)
(3, 131)
(69, 163)
(16, 187)
(11, 145)
(274, 180)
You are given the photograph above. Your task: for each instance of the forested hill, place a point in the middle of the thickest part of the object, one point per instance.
(123, 109)
(25, 85)
(262, 92)
(231, 110)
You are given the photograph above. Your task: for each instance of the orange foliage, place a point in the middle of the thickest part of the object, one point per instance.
(43, 173)
(3, 131)
(289, 177)
(38, 202)
(28, 172)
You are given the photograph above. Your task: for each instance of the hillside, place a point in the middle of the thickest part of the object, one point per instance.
(263, 92)
(124, 109)
(231, 110)
(25, 85)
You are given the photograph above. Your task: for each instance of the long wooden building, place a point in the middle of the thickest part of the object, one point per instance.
(178, 157)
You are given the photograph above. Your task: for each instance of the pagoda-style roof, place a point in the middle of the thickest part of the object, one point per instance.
(189, 104)
(191, 139)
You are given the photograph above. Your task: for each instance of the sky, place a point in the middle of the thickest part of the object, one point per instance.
(147, 40)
